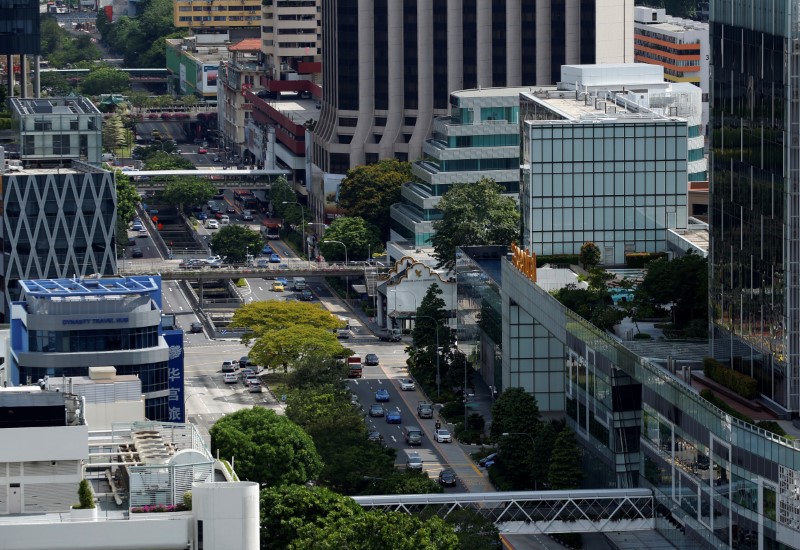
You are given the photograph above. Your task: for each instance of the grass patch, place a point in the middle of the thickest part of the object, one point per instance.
(230, 469)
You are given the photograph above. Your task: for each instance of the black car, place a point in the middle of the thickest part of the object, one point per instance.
(447, 478)
(375, 436)
(131, 241)
(487, 461)
(137, 253)
(371, 360)
(376, 410)
(246, 362)
(195, 327)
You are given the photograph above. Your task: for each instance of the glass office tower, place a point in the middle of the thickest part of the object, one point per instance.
(755, 200)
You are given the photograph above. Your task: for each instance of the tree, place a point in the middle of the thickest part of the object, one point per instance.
(370, 190)
(266, 448)
(378, 529)
(280, 192)
(234, 242)
(190, 191)
(261, 318)
(474, 531)
(404, 482)
(85, 495)
(127, 199)
(565, 462)
(590, 255)
(287, 509)
(156, 159)
(473, 214)
(105, 80)
(309, 372)
(431, 318)
(681, 283)
(283, 347)
(543, 451)
(56, 83)
(516, 412)
(113, 133)
(357, 236)
(594, 305)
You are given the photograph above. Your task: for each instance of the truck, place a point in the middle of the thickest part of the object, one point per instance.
(390, 335)
(299, 283)
(354, 368)
(424, 409)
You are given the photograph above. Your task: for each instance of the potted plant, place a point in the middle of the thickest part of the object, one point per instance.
(85, 510)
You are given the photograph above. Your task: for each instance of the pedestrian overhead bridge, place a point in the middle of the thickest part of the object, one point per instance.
(169, 270)
(535, 512)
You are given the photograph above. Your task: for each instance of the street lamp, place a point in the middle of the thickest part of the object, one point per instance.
(303, 232)
(533, 444)
(186, 399)
(347, 278)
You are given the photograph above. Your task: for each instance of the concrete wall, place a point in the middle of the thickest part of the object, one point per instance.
(44, 444)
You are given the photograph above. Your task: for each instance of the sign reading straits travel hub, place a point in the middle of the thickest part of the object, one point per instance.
(95, 321)
(177, 411)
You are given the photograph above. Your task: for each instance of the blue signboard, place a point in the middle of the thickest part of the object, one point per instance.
(177, 411)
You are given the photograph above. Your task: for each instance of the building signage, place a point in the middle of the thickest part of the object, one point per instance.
(177, 402)
(95, 321)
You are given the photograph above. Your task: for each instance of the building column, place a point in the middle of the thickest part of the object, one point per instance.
(37, 83)
(572, 32)
(424, 78)
(483, 19)
(10, 76)
(543, 48)
(396, 78)
(366, 81)
(455, 45)
(513, 43)
(23, 76)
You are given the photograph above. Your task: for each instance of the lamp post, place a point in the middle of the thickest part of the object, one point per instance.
(303, 232)
(316, 239)
(438, 377)
(533, 445)
(186, 399)
(347, 278)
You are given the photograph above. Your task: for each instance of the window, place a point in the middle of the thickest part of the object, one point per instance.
(61, 145)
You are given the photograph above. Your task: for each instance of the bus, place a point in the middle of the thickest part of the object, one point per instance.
(245, 199)
(271, 228)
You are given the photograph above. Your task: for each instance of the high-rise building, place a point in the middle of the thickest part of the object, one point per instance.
(755, 202)
(390, 66)
(214, 15)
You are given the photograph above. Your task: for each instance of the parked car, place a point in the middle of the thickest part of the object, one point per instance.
(442, 436)
(137, 253)
(487, 461)
(376, 410)
(274, 259)
(407, 384)
(247, 216)
(212, 224)
(414, 461)
(371, 360)
(382, 395)
(447, 478)
(230, 378)
(277, 287)
(393, 417)
(254, 387)
(229, 366)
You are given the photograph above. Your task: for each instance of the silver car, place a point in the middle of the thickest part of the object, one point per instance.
(407, 384)
(414, 461)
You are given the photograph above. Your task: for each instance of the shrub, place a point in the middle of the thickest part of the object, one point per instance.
(158, 508)
(744, 385)
(774, 427)
(187, 500)
(85, 496)
(641, 336)
(641, 259)
(709, 396)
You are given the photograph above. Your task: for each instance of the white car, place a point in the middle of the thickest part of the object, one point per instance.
(414, 461)
(442, 436)
(230, 378)
(407, 384)
(212, 224)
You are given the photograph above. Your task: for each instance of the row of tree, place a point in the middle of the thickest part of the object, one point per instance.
(307, 460)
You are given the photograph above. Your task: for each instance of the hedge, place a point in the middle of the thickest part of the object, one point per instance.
(640, 259)
(744, 385)
(768, 425)
(566, 259)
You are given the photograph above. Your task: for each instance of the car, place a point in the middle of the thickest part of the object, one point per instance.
(254, 386)
(414, 461)
(219, 214)
(202, 151)
(202, 216)
(229, 366)
(487, 461)
(376, 410)
(382, 395)
(143, 232)
(195, 327)
(137, 227)
(230, 210)
(305, 296)
(442, 436)
(230, 378)
(354, 400)
(447, 478)
(217, 159)
(246, 362)
(393, 417)
(131, 241)
(251, 379)
(214, 264)
(246, 372)
(212, 224)
(375, 436)
(274, 259)
(137, 253)
(371, 360)
(247, 216)
(407, 384)
(262, 263)
(216, 209)
(282, 280)
(277, 287)
(267, 250)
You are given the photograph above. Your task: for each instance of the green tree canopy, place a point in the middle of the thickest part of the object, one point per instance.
(378, 529)
(404, 482)
(140, 39)
(308, 372)
(516, 412)
(266, 448)
(682, 282)
(156, 159)
(369, 191)
(261, 318)
(105, 80)
(234, 242)
(287, 509)
(283, 347)
(358, 236)
(127, 199)
(594, 305)
(189, 191)
(431, 319)
(473, 214)
(60, 48)
(565, 462)
(590, 255)
(474, 531)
